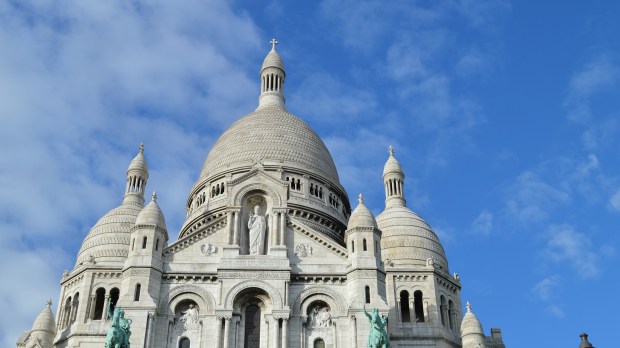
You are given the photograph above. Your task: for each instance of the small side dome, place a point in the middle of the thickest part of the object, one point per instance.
(152, 214)
(470, 324)
(45, 320)
(139, 162)
(361, 216)
(392, 165)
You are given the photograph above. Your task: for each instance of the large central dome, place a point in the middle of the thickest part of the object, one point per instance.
(273, 136)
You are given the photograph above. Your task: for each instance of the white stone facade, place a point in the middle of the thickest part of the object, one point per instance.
(320, 265)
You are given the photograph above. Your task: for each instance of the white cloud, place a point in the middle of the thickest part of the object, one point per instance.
(598, 75)
(531, 199)
(483, 224)
(565, 244)
(615, 200)
(545, 288)
(83, 85)
(556, 311)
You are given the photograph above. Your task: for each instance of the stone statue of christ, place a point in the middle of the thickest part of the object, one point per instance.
(256, 228)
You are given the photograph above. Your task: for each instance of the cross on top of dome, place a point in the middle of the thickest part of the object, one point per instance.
(391, 150)
(273, 43)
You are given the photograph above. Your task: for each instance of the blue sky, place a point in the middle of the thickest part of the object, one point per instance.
(504, 115)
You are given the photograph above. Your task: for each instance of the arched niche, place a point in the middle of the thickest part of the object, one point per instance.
(201, 297)
(257, 286)
(335, 300)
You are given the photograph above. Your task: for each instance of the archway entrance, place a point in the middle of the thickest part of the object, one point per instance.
(252, 326)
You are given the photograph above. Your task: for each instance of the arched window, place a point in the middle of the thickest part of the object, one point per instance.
(114, 294)
(136, 294)
(319, 343)
(157, 244)
(65, 319)
(184, 342)
(74, 305)
(364, 246)
(133, 243)
(405, 314)
(99, 304)
(442, 310)
(144, 242)
(450, 314)
(418, 306)
(252, 326)
(352, 246)
(367, 290)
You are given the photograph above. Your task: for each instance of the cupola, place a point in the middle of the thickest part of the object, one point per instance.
(152, 215)
(471, 330)
(394, 181)
(272, 76)
(137, 176)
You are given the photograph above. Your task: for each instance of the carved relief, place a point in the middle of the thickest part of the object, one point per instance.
(208, 249)
(303, 250)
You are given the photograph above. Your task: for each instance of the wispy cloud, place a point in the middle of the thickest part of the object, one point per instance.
(565, 244)
(545, 291)
(483, 224)
(598, 75)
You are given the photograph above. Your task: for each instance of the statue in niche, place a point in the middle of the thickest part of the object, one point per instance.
(190, 317)
(320, 317)
(256, 228)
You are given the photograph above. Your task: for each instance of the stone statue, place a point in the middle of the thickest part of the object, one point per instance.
(190, 317)
(256, 228)
(377, 337)
(119, 331)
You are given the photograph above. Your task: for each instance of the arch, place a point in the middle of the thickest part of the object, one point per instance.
(273, 294)
(364, 245)
(318, 343)
(418, 306)
(144, 239)
(334, 299)
(136, 294)
(450, 314)
(442, 308)
(99, 303)
(352, 246)
(204, 300)
(367, 293)
(277, 199)
(252, 318)
(405, 313)
(184, 342)
(114, 295)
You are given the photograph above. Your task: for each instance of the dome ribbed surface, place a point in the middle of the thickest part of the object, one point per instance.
(471, 325)
(407, 239)
(392, 166)
(273, 59)
(45, 321)
(151, 215)
(139, 162)
(361, 217)
(108, 240)
(271, 135)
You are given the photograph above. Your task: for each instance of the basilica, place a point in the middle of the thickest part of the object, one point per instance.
(271, 254)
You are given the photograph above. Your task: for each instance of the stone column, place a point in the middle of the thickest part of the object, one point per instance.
(354, 331)
(105, 307)
(282, 226)
(275, 332)
(91, 314)
(285, 333)
(302, 331)
(399, 310)
(236, 228)
(218, 332)
(227, 332)
(229, 227)
(272, 238)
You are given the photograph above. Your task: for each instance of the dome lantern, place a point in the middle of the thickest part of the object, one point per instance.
(394, 181)
(137, 176)
(272, 79)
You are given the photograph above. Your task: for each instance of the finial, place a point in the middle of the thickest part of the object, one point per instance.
(273, 43)
(360, 199)
(49, 303)
(141, 147)
(468, 307)
(391, 150)
(154, 197)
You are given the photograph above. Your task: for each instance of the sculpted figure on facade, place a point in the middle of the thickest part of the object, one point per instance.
(119, 332)
(190, 317)
(256, 229)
